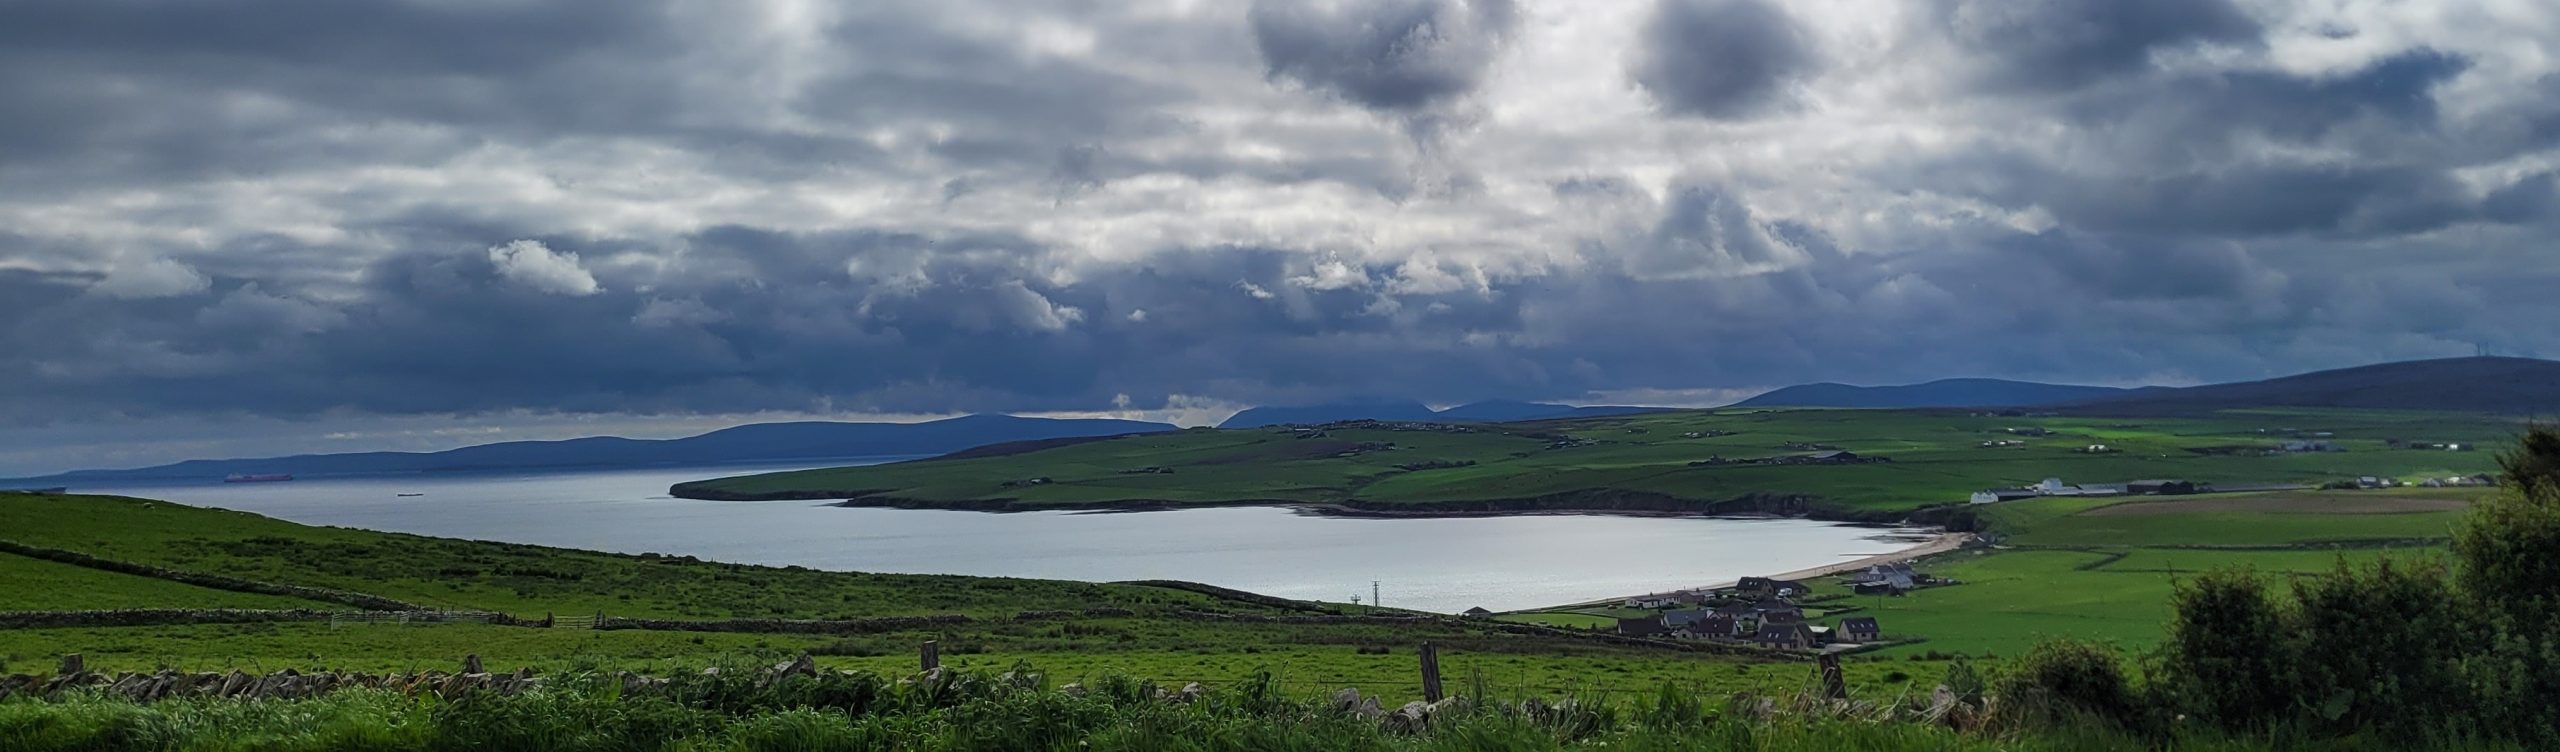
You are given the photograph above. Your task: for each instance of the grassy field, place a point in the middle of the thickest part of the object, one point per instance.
(35, 584)
(524, 580)
(2096, 568)
(1153, 641)
(2104, 568)
(1937, 457)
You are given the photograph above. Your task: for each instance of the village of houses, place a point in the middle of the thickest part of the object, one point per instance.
(1768, 612)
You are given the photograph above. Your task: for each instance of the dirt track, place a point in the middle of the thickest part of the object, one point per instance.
(2284, 505)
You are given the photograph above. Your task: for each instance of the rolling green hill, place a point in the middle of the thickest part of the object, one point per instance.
(1653, 462)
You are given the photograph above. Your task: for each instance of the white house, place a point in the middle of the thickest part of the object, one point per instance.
(1991, 495)
(2050, 486)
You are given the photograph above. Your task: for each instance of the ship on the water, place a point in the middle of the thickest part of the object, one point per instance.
(255, 478)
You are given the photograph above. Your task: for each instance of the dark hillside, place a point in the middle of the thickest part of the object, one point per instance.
(2510, 386)
(1940, 393)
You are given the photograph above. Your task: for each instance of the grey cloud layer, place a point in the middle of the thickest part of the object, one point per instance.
(289, 207)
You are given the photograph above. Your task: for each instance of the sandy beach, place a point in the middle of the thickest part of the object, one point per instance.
(1938, 544)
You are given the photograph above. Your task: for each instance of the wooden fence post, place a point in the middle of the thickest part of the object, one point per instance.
(931, 655)
(1835, 685)
(71, 666)
(1430, 673)
(471, 664)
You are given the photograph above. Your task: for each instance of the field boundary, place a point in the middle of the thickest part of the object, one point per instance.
(157, 617)
(218, 582)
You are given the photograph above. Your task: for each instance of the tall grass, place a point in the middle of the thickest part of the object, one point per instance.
(747, 711)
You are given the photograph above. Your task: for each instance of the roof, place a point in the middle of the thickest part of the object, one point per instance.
(1646, 625)
(1859, 624)
(1775, 632)
(1479, 611)
(1685, 617)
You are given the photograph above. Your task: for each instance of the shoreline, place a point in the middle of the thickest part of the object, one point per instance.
(1748, 506)
(1938, 543)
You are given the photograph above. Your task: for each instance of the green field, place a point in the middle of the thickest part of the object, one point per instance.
(28, 584)
(1154, 640)
(2083, 568)
(1645, 461)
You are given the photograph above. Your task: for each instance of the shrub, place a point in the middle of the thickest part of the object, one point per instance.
(2226, 657)
(2061, 678)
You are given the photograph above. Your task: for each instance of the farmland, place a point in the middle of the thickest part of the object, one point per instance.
(1151, 632)
(1653, 462)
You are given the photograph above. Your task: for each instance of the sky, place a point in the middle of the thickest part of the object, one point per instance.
(262, 226)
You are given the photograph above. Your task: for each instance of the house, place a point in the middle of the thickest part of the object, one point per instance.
(1716, 626)
(1861, 629)
(2310, 445)
(1784, 636)
(1889, 583)
(1992, 495)
(1684, 618)
(1478, 612)
(2051, 486)
(1761, 586)
(1645, 626)
(1787, 616)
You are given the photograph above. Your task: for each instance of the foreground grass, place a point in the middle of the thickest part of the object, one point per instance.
(737, 710)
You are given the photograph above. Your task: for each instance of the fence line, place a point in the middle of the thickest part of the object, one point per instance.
(349, 618)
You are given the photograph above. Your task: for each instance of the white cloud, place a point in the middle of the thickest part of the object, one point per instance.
(1032, 311)
(133, 278)
(534, 265)
(1331, 274)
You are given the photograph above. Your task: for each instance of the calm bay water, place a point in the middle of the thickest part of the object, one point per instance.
(1443, 564)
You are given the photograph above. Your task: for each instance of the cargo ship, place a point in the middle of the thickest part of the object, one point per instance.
(255, 478)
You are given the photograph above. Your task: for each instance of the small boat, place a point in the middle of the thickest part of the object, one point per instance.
(256, 478)
(410, 494)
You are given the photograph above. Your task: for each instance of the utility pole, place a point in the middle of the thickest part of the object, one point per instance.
(1373, 594)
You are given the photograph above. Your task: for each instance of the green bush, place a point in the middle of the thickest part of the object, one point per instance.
(2065, 678)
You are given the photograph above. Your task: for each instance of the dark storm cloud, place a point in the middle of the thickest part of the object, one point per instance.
(1720, 58)
(1392, 55)
(298, 208)
(2062, 44)
(2187, 155)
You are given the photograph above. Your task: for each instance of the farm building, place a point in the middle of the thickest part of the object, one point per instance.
(1478, 612)
(2161, 487)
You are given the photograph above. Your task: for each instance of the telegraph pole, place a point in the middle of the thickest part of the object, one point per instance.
(1373, 594)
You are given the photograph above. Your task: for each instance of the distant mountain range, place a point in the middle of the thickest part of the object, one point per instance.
(1490, 411)
(753, 442)
(2515, 386)
(2510, 386)
(1940, 393)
